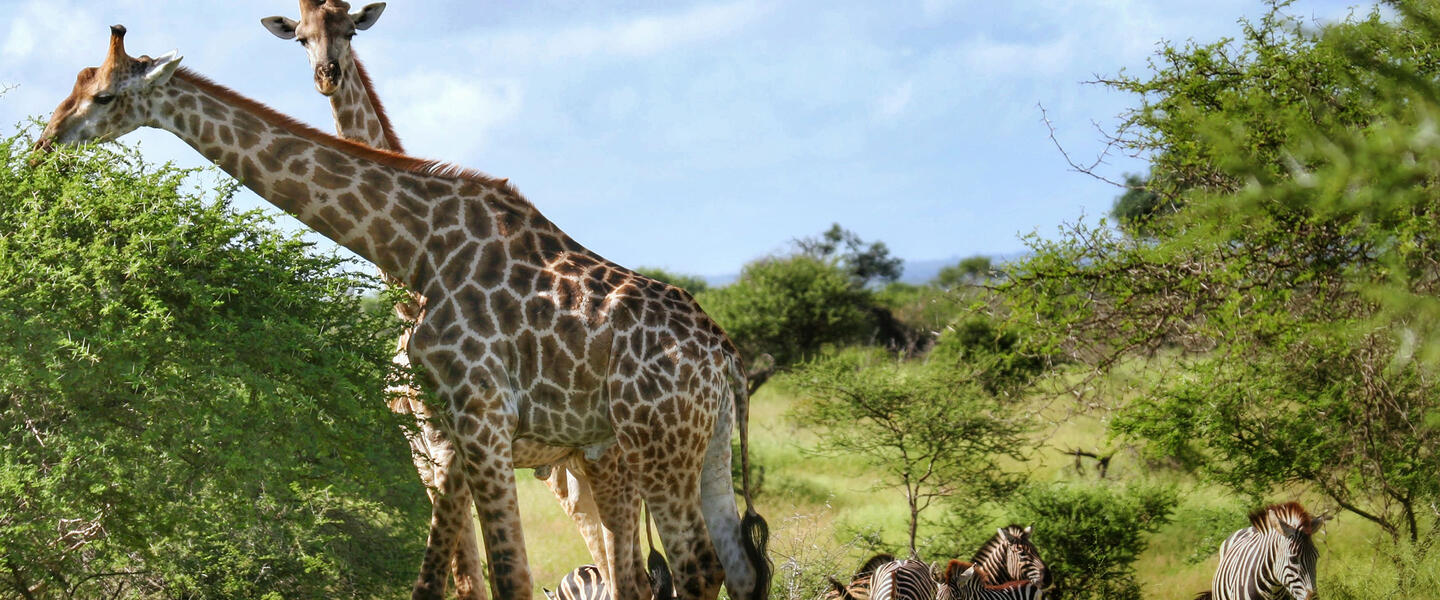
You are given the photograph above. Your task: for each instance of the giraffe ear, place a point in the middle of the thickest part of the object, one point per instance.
(282, 27)
(161, 68)
(368, 15)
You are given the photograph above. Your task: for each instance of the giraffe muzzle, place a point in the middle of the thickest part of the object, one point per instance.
(327, 78)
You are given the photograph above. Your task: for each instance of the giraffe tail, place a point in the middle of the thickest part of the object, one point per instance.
(754, 531)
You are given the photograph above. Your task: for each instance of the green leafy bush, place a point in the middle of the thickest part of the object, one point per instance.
(191, 402)
(1090, 535)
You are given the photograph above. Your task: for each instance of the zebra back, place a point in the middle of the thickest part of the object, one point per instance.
(1009, 555)
(1271, 558)
(584, 583)
(965, 581)
(903, 580)
(859, 587)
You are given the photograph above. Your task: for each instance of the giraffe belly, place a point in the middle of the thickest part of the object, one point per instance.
(530, 454)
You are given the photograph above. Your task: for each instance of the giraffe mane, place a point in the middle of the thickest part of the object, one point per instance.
(395, 160)
(1290, 513)
(391, 138)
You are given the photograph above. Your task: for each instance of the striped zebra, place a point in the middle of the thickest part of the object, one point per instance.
(1269, 559)
(1009, 555)
(907, 579)
(586, 583)
(965, 581)
(859, 588)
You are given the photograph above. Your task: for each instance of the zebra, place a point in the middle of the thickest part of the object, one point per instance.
(1010, 556)
(859, 588)
(966, 581)
(907, 579)
(585, 582)
(1272, 557)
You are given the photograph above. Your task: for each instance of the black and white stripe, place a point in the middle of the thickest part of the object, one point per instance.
(1272, 557)
(1009, 555)
(903, 580)
(584, 583)
(859, 587)
(964, 581)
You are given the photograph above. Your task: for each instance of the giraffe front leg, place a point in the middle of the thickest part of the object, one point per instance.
(429, 447)
(448, 512)
(499, 508)
(617, 505)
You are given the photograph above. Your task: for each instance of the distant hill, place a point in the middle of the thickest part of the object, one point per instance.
(916, 271)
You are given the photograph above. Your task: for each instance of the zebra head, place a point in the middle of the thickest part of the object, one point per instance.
(1297, 557)
(1022, 558)
(1287, 527)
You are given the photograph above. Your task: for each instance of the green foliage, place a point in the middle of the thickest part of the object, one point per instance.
(1090, 535)
(191, 403)
(991, 353)
(922, 308)
(939, 437)
(790, 308)
(1274, 86)
(972, 270)
(1135, 209)
(866, 264)
(690, 283)
(1301, 306)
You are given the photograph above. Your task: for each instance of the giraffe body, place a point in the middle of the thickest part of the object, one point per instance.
(325, 29)
(528, 336)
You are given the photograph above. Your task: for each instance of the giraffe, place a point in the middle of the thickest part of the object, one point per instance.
(527, 336)
(324, 29)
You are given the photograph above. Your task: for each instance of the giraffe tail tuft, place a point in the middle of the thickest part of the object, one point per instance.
(755, 533)
(662, 584)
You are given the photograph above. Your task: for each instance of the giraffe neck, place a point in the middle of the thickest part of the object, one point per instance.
(363, 199)
(426, 223)
(359, 116)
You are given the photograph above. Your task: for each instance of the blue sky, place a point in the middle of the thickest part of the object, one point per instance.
(697, 136)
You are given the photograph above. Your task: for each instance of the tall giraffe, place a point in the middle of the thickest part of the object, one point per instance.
(528, 336)
(325, 29)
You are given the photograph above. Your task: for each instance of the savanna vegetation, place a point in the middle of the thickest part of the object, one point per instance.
(1256, 323)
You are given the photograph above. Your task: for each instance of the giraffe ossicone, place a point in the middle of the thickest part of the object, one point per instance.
(528, 337)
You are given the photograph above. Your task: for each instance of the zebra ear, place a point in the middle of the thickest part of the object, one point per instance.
(1316, 522)
(1286, 529)
(1026, 535)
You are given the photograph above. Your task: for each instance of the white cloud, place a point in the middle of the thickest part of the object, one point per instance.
(637, 37)
(450, 115)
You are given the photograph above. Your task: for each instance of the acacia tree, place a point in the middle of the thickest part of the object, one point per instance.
(936, 436)
(1297, 306)
(192, 403)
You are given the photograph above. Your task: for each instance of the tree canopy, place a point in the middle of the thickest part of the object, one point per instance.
(191, 402)
(1291, 298)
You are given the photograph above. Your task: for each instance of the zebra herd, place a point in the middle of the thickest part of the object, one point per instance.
(1007, 567)
(1271, 559)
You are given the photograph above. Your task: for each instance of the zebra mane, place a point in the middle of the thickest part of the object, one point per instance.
(997, 542)
(1290, 513)
(874, 563)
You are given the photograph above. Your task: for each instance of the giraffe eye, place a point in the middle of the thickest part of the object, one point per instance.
(104, 98)
(303, 41)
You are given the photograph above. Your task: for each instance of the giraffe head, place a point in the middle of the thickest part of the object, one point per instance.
(112, 99)
(324, 29)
